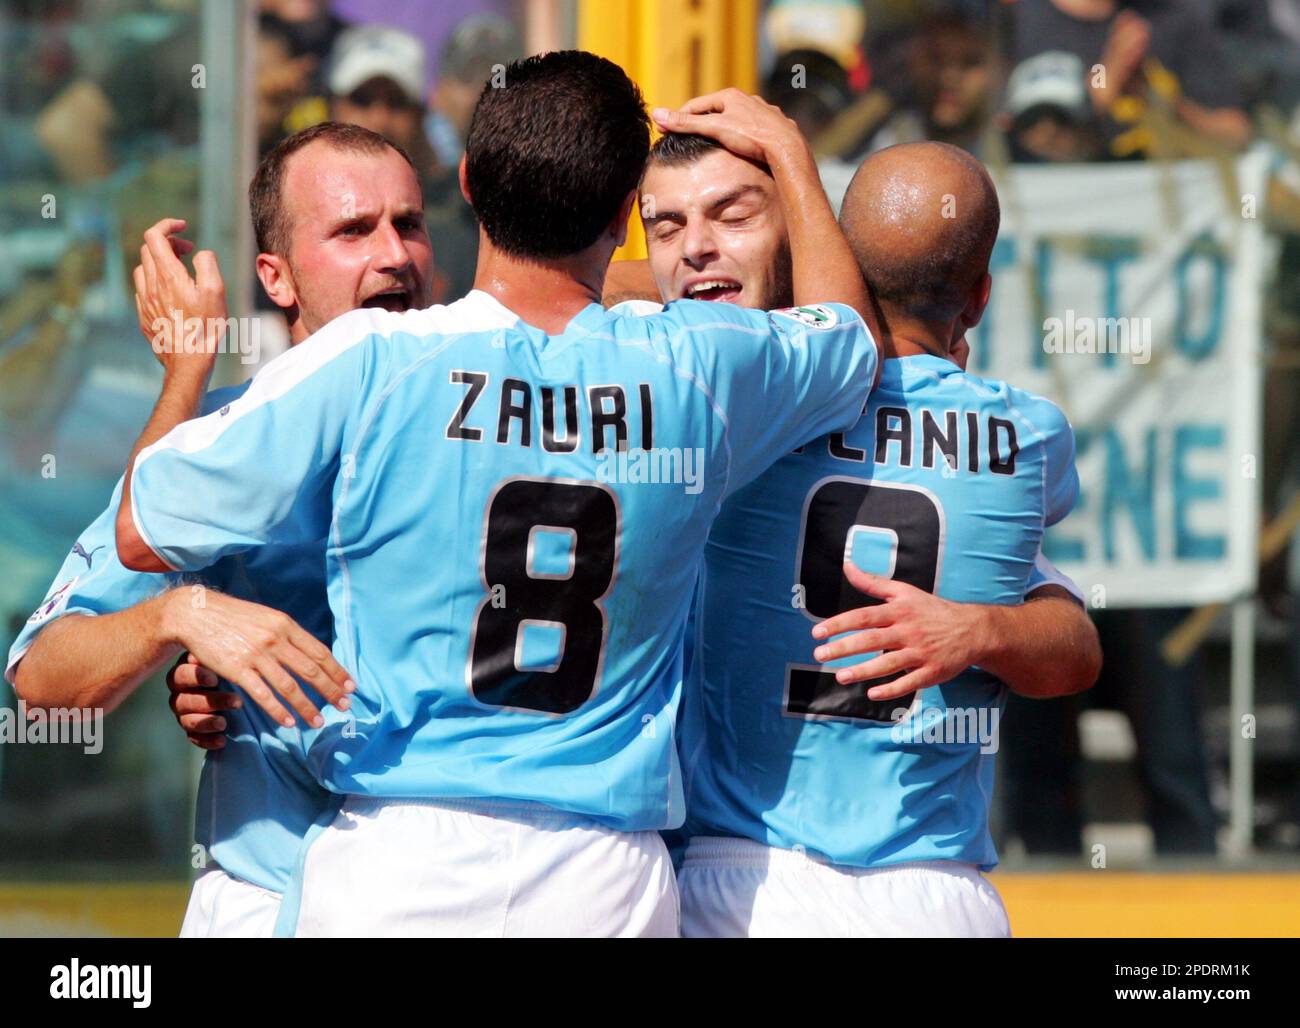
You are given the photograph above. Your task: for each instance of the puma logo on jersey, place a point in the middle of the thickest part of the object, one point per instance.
(80, 551)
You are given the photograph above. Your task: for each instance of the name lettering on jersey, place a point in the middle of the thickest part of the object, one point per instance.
(839, 448)
(614, 416)
(477, 381)
(938, 439)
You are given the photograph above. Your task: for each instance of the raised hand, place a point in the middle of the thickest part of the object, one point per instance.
(183, 316)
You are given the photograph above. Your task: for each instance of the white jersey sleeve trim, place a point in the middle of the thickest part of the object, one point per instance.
(640, 308)
(1055, 576)
(478, 311)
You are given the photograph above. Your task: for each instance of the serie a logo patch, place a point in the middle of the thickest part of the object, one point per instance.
(815, 316)
(54, 603)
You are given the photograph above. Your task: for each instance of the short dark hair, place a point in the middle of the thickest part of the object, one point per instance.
(552, 153)
(265, 200)
(675, 149)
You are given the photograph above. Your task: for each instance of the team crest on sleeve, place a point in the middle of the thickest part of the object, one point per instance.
(815, 316)
(54, 603)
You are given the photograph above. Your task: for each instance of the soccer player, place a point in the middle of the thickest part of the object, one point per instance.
(513, 618)
(855, 801)
(338, 217)
(715, 230)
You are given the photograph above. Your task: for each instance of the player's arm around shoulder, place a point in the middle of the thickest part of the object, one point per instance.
(251, 459)
(103, 629)
(95, 635)
(776, 378)
(83, 660)
(1046, 647)
(1042, 648)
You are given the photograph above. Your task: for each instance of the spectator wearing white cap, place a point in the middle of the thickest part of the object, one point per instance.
(376, 80)
(1050, 116)
(1134, 51)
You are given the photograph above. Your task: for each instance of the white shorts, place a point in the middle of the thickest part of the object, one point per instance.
(737, 888)
(225, 907)
(482, 868)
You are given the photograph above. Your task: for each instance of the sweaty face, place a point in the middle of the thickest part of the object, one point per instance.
(714, 231)
(357, 235)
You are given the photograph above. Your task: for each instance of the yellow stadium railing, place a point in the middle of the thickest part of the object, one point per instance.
(674, 50)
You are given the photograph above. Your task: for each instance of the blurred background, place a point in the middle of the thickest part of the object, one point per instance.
(1161, 200)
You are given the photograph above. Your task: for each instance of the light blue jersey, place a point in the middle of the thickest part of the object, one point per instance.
(946, 483)
(516, 524)
(256, 798)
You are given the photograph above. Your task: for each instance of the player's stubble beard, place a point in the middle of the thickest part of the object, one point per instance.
(316, 315)
(782, 290)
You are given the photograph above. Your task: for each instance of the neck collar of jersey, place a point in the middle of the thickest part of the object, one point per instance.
(896, 369)
(489, 303)
(592, 318)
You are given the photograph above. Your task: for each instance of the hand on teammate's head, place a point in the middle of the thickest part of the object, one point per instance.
(747, 125)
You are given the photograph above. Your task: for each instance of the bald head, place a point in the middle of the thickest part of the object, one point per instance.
(922, 219)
